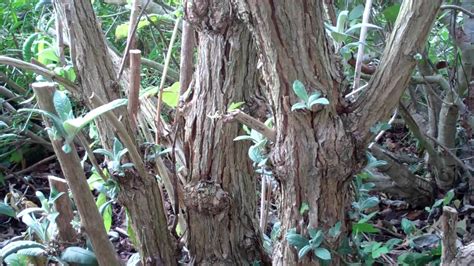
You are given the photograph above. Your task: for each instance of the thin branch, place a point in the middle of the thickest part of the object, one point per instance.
(396, 66)
(127, 48)
(163, 79)
(5, 60)
(415, 129)
(251, 123)
(12, 84)
(458, 161)
(360, 51)
(458, 8)
(32, 167)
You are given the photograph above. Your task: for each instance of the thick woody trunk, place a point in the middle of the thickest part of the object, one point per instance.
(220, 194)
(139, 193)
(317, 152)
(314, 156)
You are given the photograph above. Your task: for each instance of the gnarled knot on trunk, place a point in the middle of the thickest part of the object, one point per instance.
(206, 197)
(208, 15)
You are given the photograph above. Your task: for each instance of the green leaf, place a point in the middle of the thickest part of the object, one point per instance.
(171, 95)
(303, 251)
(339, 37)
(62, 105)
(33, 252)
(296, 240)
(298, 106)
(364, 228)
(314, 96)
(335, 230)
(304, 208)
(104, 152)
(243, 137)
(117, 148)
(121, 31)
(105, 210)
(317, 239)
(79, 255)
(391, 243)
(369, 203)
(391, 12)
(300, 90)
(275, 233)
(15, 246)
(407, 226)
(72, 126)
(234, 106)
(27, 45)
(379, 252)
(6, 210)
(448, 197)
(357, 12)
(57, 122)
(341, 21)
(438, 203)
(360, 25)
(322, 101)
(322, 253)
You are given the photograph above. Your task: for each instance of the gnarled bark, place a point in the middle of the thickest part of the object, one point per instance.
(317, 152)
(220, 194)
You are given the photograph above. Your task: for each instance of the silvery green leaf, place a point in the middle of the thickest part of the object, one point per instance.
(62, 105)
(314, 96)
(244, 137)
(298, 106)
(117, 146)
(303, 251)
(322, 101)
(300, 90)
(104, 152)
(341, 20)
(322, 253)
(296, 240)
(360, 25)
(79, 255)
(72, 126)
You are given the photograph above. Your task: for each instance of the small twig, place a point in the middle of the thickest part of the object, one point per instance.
(450, 153)
(251, 123)
(90, 155)
(458, 8)
(12, 84)
(163, 79)
(32, 167)
(380, 134)
(128, 46)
